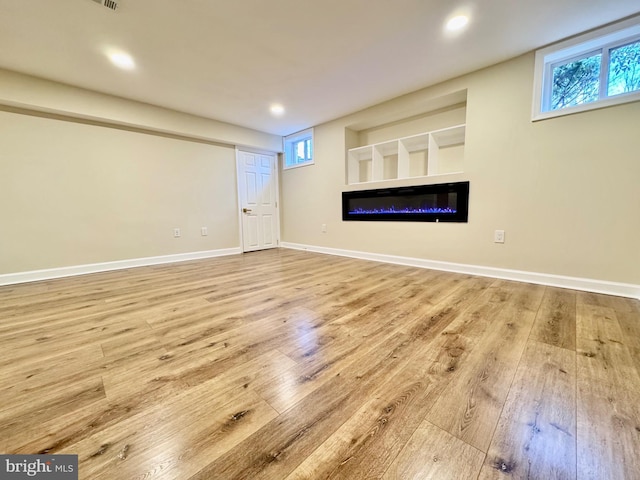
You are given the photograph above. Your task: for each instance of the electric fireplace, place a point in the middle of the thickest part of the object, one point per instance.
(444, 202)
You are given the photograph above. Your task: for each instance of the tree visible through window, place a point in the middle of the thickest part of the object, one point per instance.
(600, 68)
(624, 69)
(576, 82)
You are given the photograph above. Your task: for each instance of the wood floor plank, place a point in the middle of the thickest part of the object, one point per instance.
(206, 428)
(608, 403)
(366, 444)
(619, 304)
(281, 445)
(469, 408)
(432, 453)
(28, 416)
(19, 385)
(57, 434)
(630, 326)
(320, 359)
(285, 363)
(536, 434)
(555, 322)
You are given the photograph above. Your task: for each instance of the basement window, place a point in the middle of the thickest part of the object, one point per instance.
(595, 70)
(298, 149)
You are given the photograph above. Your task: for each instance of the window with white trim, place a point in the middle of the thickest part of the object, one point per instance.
(595, 70)
(298, 149)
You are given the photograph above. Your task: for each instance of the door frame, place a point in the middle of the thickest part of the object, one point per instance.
(276, 156)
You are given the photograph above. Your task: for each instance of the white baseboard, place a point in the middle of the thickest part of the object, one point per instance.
(48, 274)
(574, 283)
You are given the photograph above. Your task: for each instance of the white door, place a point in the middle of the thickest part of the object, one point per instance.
(258, 199)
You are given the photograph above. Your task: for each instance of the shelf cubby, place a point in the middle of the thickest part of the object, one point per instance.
(426, 154)
(360, 166)
(386, 155)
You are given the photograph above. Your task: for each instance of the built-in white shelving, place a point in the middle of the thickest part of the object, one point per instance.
(430, 153)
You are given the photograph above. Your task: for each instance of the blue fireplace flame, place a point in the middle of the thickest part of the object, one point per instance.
(405, 210)
(444, 202)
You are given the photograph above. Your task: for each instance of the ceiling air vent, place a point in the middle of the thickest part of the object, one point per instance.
(112, 4)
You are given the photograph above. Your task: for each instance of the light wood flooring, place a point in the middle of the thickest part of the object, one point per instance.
(292, 365)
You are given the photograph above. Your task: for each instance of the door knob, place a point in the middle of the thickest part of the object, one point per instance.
(246, 210)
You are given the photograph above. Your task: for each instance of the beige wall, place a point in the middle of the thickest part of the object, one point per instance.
(37, 94)
(441, 118)
(91, 178)
(74, 194)
(565, 190)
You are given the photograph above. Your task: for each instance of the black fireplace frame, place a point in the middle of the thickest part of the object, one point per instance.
(460, 215)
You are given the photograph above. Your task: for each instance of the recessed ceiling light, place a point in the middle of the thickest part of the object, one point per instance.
(122, 60)
(457, 23)
(277, 109)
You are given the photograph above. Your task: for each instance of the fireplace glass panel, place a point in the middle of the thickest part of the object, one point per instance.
(428, 203)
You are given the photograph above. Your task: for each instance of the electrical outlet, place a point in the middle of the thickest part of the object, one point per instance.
(324, 228)
(498, 236)
(204, 232)
(176, 232)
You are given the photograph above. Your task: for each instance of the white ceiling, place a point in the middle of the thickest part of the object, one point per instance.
(230, 59)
